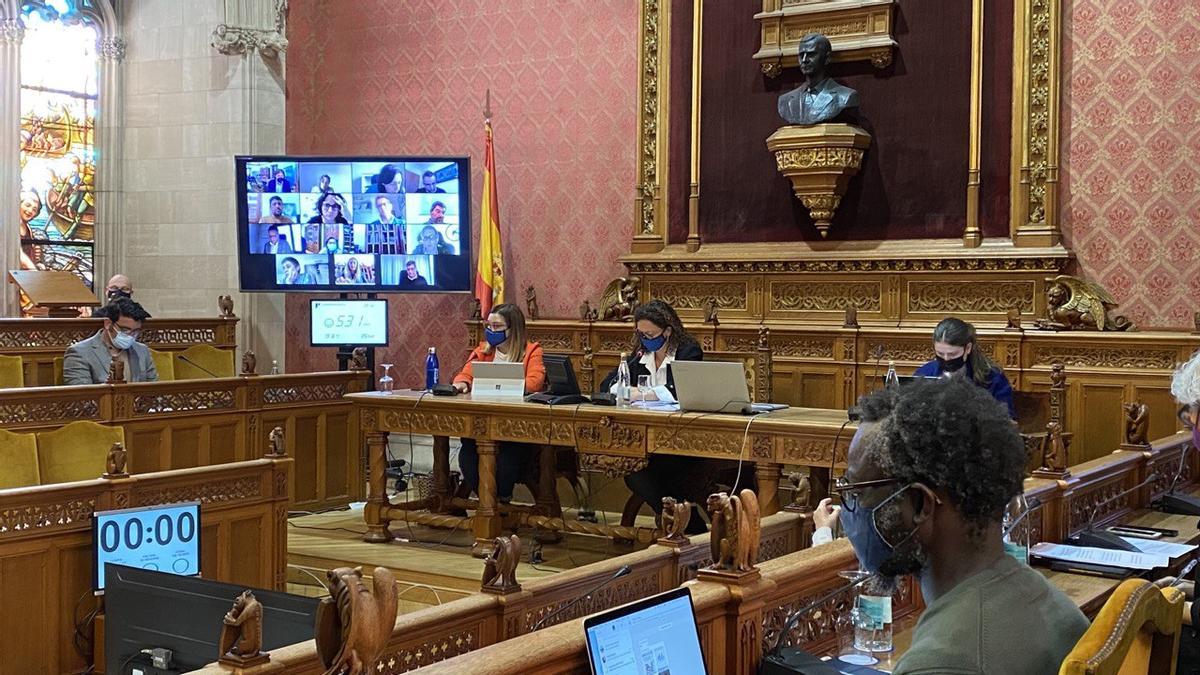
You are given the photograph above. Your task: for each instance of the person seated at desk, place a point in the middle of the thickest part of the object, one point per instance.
(956, 349)
(504, 342)
(930, 472)
(88, 361)
(660, 339)
(119, 286)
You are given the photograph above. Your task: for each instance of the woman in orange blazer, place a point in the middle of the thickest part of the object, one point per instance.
(504, 342)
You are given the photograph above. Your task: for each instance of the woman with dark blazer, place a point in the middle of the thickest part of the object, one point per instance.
(660, 339)
(956, 349)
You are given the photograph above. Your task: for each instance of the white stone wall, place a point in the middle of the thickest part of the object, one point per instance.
(188, 110)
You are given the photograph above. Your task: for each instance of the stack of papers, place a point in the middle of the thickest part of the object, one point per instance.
(1151, 554)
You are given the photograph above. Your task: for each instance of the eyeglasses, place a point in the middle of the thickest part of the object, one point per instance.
(132, 332)
(331, 205)
(850, 493)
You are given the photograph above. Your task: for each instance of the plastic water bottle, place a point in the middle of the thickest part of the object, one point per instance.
(892, 380)
(1016, 534)
(623, 381)
(274, 367)
(431, 369)
(872, 618)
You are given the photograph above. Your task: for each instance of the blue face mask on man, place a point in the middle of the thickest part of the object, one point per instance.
(861, 529)
(123, 340)
(495, 338)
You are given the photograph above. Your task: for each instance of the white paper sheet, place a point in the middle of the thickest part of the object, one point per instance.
(1100, 556)
(657, 406)
(1156, 547)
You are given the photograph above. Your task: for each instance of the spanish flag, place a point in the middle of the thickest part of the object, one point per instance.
(489, 280)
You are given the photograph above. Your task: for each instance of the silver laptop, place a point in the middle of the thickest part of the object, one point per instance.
(715, 386)
(504, 381)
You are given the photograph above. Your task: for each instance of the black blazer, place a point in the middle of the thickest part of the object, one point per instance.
(686, 351)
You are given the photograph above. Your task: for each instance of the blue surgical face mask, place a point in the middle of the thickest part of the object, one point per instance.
(653, 344)
(123, 340)
(495, 338)
(869, 545)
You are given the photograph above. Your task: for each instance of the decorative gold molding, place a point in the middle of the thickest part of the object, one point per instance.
(826, 296)
(693, 238)
(694, 294)
(858, 30)
(916, 264)
(973, 235)
(650, 218)
(989, 297)
(1037, 32)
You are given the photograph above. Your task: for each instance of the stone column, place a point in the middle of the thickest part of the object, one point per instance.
(254, 31)
(110, 142)
(11, 33)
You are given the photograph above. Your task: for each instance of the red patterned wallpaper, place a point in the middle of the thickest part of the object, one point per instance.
(1131, 191)
(388, 77)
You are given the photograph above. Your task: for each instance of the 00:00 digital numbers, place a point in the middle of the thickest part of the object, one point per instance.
(165, 531)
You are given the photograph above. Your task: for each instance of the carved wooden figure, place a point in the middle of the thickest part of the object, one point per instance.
(1137, 423)
(675, 519)
(1013, 319)
(710, 312)
(116, 371)
(1054, 449)
(736, 529)
(500, 567)
(1075, 304)
(801, 491)
(476, 311)
(225, 304)
(620, 299)
(851, 320)
(354, 624)
(249, 363)
(114, 464)
(531, 304)
(241, 632)
(358, 358)
(276, 447)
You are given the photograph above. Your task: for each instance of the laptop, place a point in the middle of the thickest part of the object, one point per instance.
(499, 381)
(715, 386)
(655, 636)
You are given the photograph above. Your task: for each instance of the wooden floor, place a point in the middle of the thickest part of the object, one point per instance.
(432, 566)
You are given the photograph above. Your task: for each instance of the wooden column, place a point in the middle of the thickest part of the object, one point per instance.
(441, 474)
(487, 517)
(768, 474)
(375, 512)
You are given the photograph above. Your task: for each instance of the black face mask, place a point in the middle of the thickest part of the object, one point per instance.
(118, 293)
(952, 365)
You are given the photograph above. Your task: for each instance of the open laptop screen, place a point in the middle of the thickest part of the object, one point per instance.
(655, 636)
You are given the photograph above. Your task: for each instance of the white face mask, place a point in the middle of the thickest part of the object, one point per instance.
(123, 340)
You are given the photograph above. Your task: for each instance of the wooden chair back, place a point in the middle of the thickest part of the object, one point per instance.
(1135, 633)
(12, 372)
(58, 371)
(164, 363)
(18, 460)
(218, 362)
(77, 451)
(1033, 410)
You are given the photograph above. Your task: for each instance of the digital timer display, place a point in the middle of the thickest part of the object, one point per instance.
(161, 538)
(353, 323)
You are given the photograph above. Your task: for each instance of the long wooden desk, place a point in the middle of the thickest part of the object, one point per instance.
(616, 440)
(39, 341)
(190, 423)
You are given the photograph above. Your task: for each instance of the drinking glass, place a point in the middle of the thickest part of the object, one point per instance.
(644, 387)
(386, 384)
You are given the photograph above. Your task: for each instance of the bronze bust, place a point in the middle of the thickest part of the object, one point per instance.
(819, 99)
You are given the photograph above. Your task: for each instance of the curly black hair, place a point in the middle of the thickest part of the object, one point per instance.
(949, 435)
(120, 307)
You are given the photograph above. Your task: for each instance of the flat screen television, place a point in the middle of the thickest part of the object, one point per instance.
(165, 538)
(354, 224)
(356, 323)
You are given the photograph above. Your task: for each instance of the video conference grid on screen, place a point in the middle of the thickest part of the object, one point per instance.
(383, 224)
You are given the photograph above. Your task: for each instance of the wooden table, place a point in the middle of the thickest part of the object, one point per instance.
(609, 439)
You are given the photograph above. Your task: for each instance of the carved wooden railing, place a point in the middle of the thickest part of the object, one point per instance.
(188, 423)
(437, 633)
(39, 341)
(46, 546)
(829, 366)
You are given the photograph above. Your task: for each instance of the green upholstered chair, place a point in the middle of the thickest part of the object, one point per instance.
(77, 451)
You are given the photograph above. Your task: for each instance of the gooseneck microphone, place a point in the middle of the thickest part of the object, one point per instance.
(193, 363)
(625, 569)
(796, 615)
(1094, 538)
(1185, 505)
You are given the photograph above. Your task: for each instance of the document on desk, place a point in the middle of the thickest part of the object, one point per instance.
(657, 406)
(1166, 548)
(1100, 556)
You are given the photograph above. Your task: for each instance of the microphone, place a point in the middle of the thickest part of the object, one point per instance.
(193, 363)
(796, 615)
(878, 354)
(1030, 505)
(1170, 502)
(1097, 539)
(625, 569)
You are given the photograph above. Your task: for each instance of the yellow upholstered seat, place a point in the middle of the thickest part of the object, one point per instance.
(12, 374)
(77, 451)
(58, 371)
(18, 460)
(216, 361)
(164, 363)
(1136, 632)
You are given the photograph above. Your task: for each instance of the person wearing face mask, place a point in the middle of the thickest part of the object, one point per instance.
(504, 342)
(88, 361)
(659, 340)
(930, 471)
(119, 286)
(957, 353)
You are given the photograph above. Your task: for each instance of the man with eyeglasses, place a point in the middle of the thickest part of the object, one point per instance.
(88, 361)
(930, 472)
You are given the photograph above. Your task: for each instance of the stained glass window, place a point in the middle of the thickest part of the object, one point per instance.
(59, 71)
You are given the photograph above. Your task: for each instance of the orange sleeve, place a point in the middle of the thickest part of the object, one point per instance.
(535, 369)
(466, 374)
